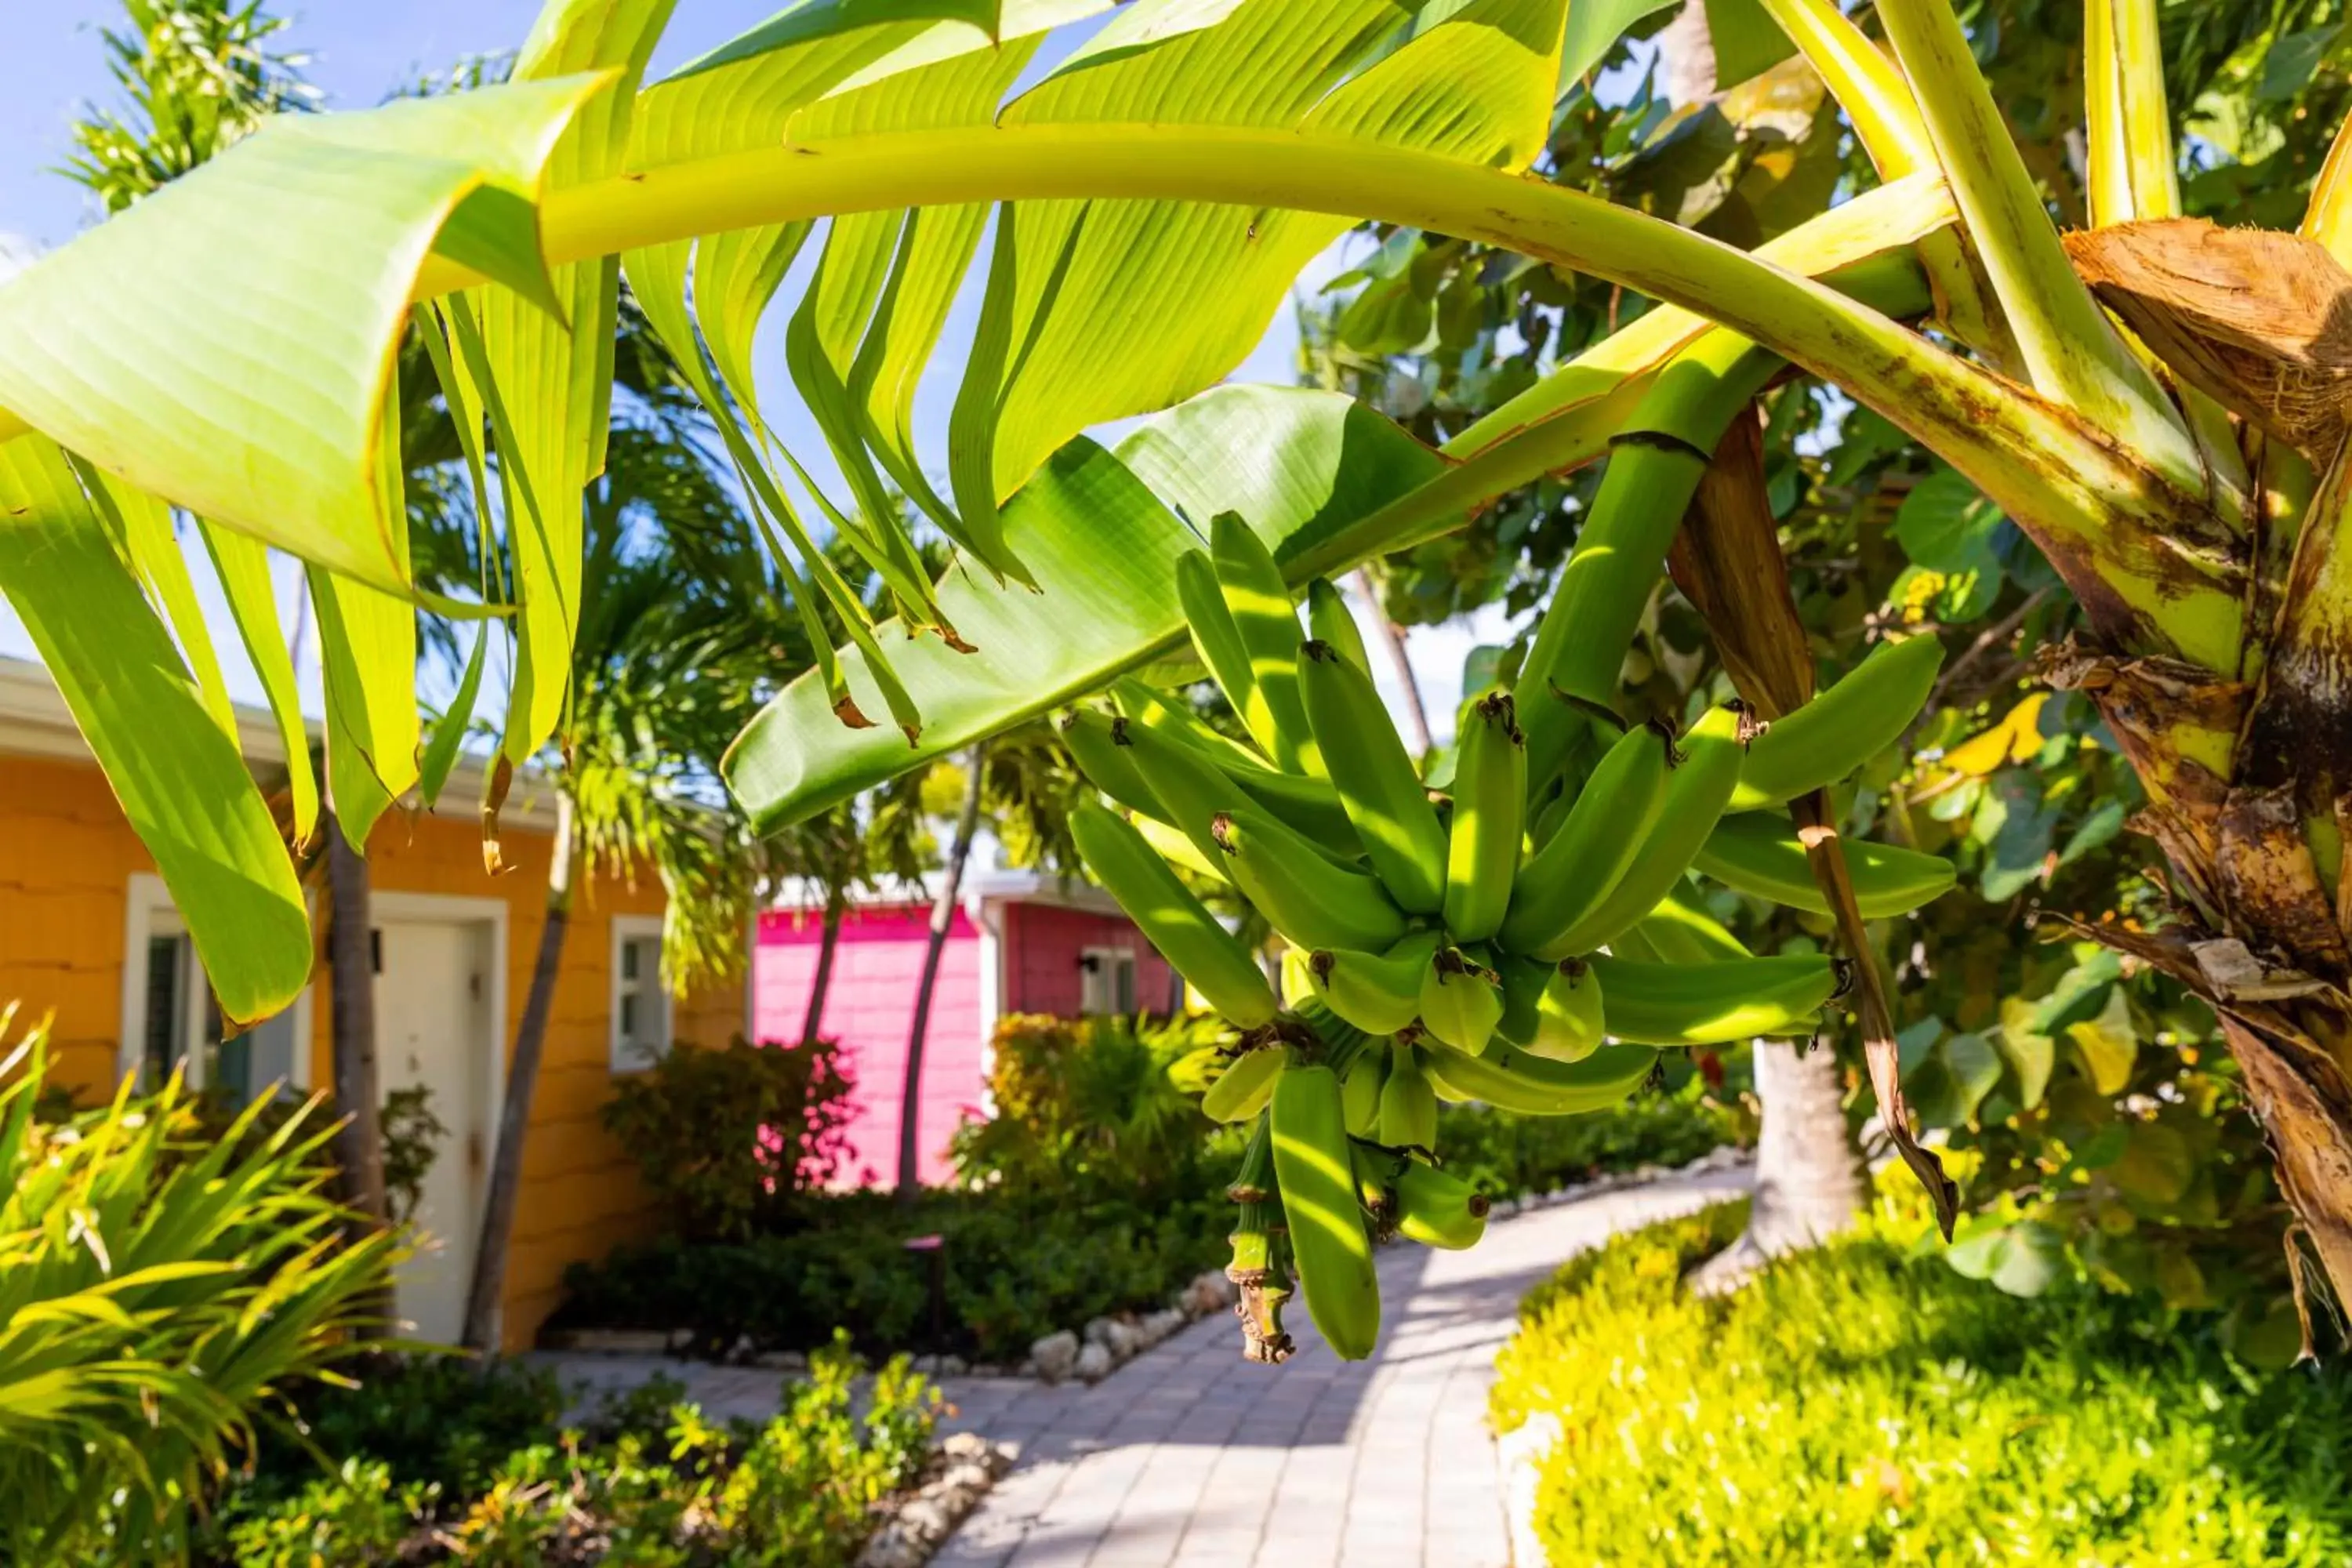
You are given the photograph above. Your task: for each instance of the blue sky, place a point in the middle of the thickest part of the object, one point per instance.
(358, 50)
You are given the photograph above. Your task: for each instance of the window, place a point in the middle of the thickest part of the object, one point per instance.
(641, 1008)
(1107, 980)
(170, 1019)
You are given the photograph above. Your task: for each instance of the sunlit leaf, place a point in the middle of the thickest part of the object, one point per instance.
(1096, 531)
(2030, 1055)
(2109, 1044)
(286, 448)
(178, 776)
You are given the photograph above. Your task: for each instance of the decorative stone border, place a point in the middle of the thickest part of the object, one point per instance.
(1091, 1354)
(962, 1470)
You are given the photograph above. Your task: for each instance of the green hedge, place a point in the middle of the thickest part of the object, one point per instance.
(1099, 1189)
(1508, 1156)
(1865, 1404)
(1016, 1270)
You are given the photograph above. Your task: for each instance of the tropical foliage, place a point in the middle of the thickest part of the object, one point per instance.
(159, 1288)
(2169, 494)
(649, 1478)
(2101, 1092)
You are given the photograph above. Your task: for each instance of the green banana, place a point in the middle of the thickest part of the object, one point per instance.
(1330, 620)
(1260, 1265)
(1580, 643)
(1842, 728)
(1099, 743)
(1584, 860)
(1259, 601)
(1219, 642)
(1209, 958)
(1243, 1090)
(1408, 1118)
(1179, 850)
(1681, 931)
(1461, 1000)
(1569, 1013)
(1313, 902)
(1360, 1091)
(1437, 1209)
(1490, 802)
(1702, 1004)
(1523, 986)
(1695, 792)
(1511, 1080)
(1327, 1237)
(1760, 854)
(1173, 717)
(1380, 992)
(1297, 985)
(1191, 789)
(1635, 943)
(1309, 805)
(1377, 783)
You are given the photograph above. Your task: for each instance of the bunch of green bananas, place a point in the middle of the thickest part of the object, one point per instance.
(1524, 939)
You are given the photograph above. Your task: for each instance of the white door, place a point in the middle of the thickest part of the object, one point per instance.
(431, 1030)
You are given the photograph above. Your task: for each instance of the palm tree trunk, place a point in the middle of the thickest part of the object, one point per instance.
(836, 903)
(489, 1285)
(351, 967)
(943, 910)
(1416, 716)
(1808, 1174)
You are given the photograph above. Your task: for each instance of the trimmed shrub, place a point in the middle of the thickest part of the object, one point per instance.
(1863, 1403)
(728, 1140)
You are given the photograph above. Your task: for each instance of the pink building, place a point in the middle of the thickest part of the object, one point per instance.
(1022, 941)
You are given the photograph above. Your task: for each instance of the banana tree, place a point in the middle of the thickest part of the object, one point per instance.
(1142, 208)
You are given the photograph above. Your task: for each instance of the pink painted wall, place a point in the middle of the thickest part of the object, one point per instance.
(870, 1008)
(1044, 944)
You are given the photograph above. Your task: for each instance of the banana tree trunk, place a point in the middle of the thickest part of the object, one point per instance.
(490, 1279)
(943, 910)
(1808, 1174)
(1416, 715)
(836, 903)
(351, 967)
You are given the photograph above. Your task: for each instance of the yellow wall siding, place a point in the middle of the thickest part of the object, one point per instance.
(66, 857)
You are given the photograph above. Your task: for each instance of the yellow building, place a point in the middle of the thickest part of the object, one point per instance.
(88, 934)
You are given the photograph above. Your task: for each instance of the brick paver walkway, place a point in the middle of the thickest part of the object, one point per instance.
(1189, 1455)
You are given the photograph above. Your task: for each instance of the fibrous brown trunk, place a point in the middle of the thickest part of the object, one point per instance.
(943, 910)
(351, 967)
(2247, 768)
(488, 1287)
(836, 904)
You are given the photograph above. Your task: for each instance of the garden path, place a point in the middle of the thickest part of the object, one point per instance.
(1189, 1455)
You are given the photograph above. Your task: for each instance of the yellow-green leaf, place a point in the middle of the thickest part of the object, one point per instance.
(179, 778)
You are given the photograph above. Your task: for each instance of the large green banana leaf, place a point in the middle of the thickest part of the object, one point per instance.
(1100, 538)
(1131, 222)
